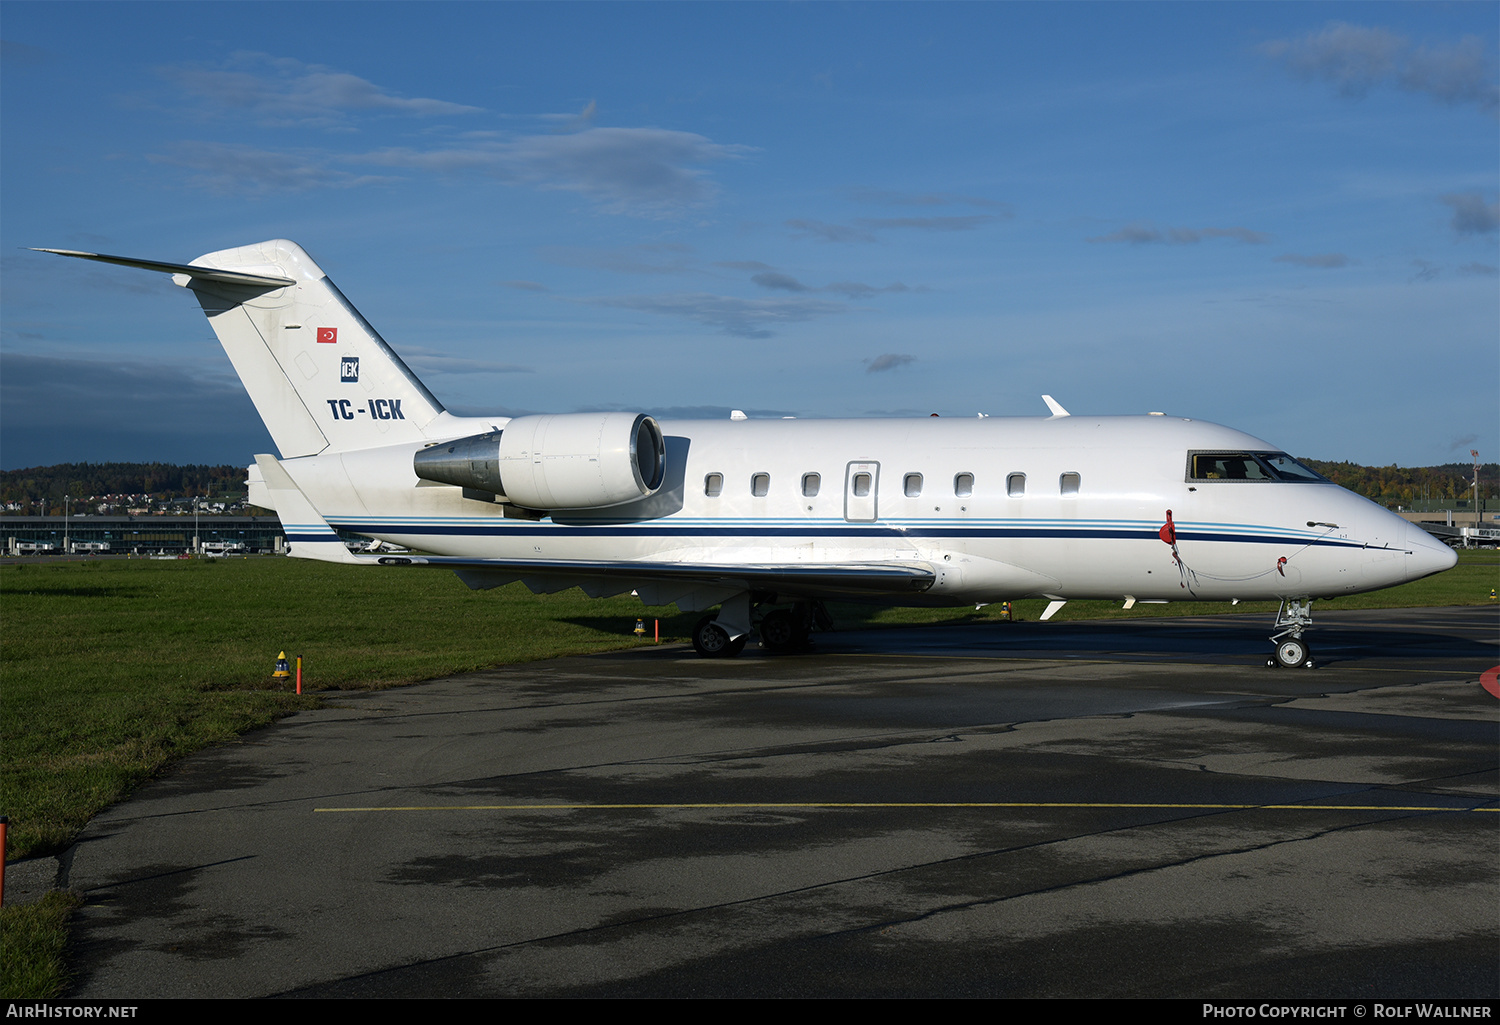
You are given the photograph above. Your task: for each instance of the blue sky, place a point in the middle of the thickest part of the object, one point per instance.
(1282, 217)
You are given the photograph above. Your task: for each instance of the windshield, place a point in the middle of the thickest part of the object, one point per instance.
(1249, 466)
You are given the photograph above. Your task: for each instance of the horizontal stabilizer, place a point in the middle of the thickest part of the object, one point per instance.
(228, 277)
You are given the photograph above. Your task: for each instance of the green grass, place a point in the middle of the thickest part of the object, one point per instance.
(33, 939)
(112, 669)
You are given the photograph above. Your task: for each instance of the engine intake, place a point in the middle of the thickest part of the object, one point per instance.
(555, 460)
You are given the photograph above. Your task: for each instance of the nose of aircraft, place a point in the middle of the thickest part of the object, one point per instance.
(1428, 554)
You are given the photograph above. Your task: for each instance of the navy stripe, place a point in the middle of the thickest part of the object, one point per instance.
(874, 531)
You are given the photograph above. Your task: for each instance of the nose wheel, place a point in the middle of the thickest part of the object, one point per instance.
(1291, 653)
(1294, 616)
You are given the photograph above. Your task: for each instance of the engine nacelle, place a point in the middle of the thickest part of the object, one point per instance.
(555, 460)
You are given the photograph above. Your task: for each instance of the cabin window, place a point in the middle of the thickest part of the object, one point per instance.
(861, 485)
(713, 485)
(1068, 483)
(1015, 485)
(963, 485)
(810, 484)
(760, 484)
(912, 486)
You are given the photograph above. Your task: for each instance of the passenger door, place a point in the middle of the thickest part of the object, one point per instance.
(861, 485)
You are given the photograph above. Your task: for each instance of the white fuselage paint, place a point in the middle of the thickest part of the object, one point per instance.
(1235, 539)
(348, 416)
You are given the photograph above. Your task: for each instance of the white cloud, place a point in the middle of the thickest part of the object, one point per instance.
(1143, 233)
(776, 281)
(859, 290)
(650, 258)
(1355, 59)
(1472, 215)
(631, 170)
(824, 232)
(281, 90)
(744, 318)
(887, 361)
(627, 170)
(224, 167)
(1425, 270)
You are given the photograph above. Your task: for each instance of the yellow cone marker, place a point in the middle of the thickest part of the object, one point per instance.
(282, 669)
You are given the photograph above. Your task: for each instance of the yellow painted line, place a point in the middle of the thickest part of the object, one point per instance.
(760, 806)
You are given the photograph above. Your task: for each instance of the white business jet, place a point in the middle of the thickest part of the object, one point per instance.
(767, 518)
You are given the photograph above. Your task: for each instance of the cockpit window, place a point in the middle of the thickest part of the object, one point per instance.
(1248, 466)
(1287, 468)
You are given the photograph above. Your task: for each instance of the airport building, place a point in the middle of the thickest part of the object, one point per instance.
(1452, 512)
(142, 535)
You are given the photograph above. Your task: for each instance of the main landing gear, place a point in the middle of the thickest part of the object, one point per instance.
(780, 630)
(712, 641)
(1294, 616)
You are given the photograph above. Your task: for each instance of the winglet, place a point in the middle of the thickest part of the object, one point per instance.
(308, 534)
(1055, 406)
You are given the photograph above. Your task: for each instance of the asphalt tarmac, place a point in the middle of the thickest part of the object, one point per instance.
(1133, 808)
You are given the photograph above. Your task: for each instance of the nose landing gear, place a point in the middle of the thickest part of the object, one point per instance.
(1294, 616)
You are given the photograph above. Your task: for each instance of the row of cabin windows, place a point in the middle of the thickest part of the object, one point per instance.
(911, 485)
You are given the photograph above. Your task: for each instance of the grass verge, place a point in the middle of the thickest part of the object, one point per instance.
(33, 944)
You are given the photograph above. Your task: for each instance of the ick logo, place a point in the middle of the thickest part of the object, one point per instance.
(328, 336)
(349, 368)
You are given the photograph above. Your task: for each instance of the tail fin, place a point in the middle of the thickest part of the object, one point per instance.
(320, 376)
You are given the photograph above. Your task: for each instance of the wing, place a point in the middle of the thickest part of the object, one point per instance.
(689, 585)
(699, 584)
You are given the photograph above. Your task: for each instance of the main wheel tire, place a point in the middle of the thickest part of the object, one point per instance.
(711, 640)
(778, 631)
(1292, 652)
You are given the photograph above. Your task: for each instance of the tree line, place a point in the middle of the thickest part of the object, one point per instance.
(1401, 485)
(40, 489)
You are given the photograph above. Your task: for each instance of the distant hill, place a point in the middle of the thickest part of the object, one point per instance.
(41, 486)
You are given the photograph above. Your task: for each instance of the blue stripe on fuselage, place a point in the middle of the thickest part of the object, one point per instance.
(1263, 535)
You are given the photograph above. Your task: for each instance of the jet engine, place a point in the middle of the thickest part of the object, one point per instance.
(555, 460)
